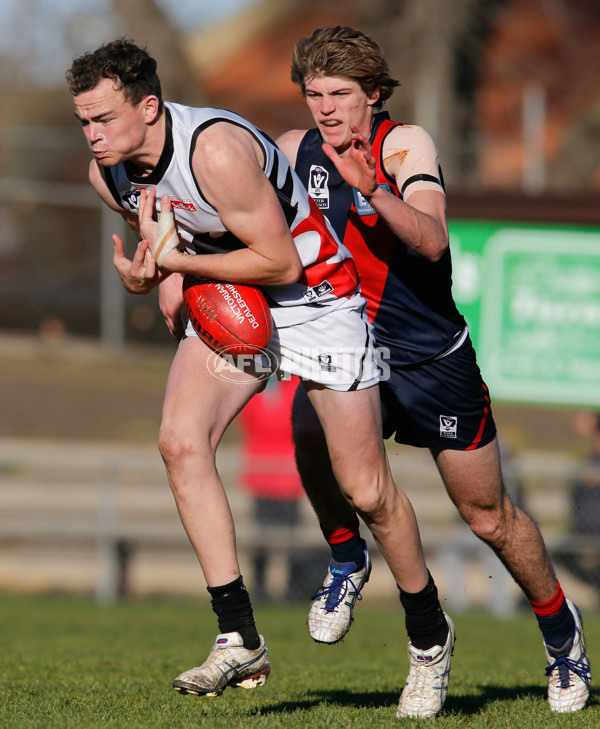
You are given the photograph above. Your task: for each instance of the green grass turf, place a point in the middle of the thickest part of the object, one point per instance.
(70, 663)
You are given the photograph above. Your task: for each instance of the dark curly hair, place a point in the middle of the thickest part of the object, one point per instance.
(345, 52)
(131, 67)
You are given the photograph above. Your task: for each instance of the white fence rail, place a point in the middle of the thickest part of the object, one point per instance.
(100, 518)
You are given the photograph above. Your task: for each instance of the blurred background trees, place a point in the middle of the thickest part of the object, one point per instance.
(507, 88)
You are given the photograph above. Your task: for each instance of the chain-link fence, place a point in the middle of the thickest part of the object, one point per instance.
(56, 273)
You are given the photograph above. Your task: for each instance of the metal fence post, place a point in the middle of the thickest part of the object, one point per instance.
(107, 582)
(112, 293)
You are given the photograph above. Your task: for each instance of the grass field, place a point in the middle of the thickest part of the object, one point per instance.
(68, 662)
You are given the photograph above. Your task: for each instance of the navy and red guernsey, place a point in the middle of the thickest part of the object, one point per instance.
(409, 298)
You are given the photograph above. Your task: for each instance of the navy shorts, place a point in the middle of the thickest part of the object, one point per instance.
(443, 404)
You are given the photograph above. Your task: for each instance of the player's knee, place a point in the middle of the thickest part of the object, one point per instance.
(372, 511)
(179, 445)
(369, 501)
(170, 445)
(489, 526)
(493, 522)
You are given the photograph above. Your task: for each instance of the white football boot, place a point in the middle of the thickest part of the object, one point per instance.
(330, 615)
(228, 664)
(427, 682)
(568, 671)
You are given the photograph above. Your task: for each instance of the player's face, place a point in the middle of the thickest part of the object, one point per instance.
(335, 103)
(115, 130)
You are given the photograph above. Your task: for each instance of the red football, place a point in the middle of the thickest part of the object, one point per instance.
(233, 317)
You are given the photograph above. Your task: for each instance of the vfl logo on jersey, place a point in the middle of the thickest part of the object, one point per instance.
(325, 360)
(183, 204)
(132, 199)
(448, 426)
(315, 292)
(362, 205)
(317, 186)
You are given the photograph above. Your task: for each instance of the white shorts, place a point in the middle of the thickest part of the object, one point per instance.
(335, 349)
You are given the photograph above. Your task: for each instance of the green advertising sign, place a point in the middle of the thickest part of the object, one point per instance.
(531, 296)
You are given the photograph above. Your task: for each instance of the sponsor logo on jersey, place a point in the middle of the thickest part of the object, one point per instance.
(183, 204)
(362, 205)
(325, 360)
(317, 186)
(132, 199)
(315, 292)
(448, 426)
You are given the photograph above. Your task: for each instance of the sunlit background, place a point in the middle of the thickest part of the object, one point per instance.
(509, 91)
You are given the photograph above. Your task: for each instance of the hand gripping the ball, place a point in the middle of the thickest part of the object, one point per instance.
(161, 235)
(167, 238)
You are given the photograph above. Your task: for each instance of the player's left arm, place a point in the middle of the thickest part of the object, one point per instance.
(419, 220)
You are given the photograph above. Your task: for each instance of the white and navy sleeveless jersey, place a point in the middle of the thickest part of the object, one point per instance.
(329, 271)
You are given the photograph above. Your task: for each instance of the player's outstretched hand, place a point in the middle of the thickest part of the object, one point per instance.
(139, 274)
(358, 168)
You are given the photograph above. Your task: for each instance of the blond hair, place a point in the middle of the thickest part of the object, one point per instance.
(344, 52)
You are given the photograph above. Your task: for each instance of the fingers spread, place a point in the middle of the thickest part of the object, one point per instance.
(165, 204)
(119, 248)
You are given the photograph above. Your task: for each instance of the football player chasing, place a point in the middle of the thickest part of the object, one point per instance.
(380, 185)
(241, 215)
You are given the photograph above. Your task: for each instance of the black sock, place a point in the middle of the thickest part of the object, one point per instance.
(425, 622)
(352, 550)
(558, 630)
(231, 604)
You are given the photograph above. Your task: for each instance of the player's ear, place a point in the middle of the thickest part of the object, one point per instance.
(373, 97)
(151, 106)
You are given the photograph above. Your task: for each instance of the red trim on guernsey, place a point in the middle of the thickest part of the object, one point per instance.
(371, 251)
(342, 273)
(368, 237)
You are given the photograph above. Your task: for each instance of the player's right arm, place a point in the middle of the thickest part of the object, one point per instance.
(140, 274)
(99, 184)
(421, 224)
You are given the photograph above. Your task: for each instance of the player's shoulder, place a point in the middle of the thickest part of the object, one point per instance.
(223, 138)
(409, 150)
(94, 174)
(289, 143)
(294, 136)
(98, 181)
(409, 135)
(405, 146)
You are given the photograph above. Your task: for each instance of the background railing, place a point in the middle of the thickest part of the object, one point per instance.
(100, 519)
